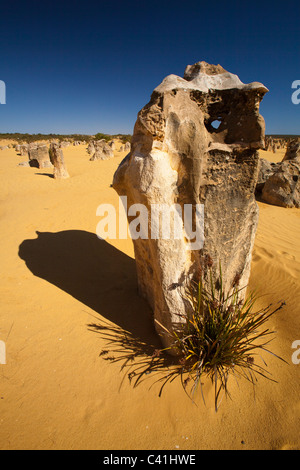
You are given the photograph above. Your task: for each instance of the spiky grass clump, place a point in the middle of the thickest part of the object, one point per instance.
(222, 335)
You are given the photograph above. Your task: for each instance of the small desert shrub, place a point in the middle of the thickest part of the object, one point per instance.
(125, 138)
(101, 136)
(222, 335)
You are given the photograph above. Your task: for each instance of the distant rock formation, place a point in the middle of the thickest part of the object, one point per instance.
(64, 144)
(282, 188)
(102, 151)
(278, 183)
(91, 148)
(39, 155)
(24, 150)
(195, 142)
(273, 144)
(266, 169)
(292, 150)
(57, 160)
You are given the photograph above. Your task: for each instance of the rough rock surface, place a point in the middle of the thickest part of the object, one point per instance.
(266, 169)
(64, 144)
(91, 148)
(293, 150)
(39, 155)
(283, 187)
(180, 156)
(57, 159)
(102, 151)
(23, 150)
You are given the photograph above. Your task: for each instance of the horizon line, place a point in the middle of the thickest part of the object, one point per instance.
(105, 133)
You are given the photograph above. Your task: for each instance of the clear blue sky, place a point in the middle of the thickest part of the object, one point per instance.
(87, 67)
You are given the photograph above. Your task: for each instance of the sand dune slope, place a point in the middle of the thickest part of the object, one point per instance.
(57, 277)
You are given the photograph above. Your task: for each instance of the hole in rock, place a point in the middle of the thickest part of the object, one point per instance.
(216, 123)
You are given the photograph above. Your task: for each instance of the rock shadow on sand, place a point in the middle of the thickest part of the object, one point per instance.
(97, 274)
(50, 175)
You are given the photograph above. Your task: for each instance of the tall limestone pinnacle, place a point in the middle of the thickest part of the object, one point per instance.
(195, 142)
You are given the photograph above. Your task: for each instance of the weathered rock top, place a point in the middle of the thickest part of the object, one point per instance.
(204, 77)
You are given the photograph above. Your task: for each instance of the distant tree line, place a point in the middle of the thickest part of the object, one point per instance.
(283, 136)
(123, 137)
(72, 137)
(36, 137)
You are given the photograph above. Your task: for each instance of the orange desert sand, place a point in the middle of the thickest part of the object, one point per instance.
(57, 277)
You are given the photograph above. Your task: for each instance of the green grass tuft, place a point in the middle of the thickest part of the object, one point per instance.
(223, 334)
